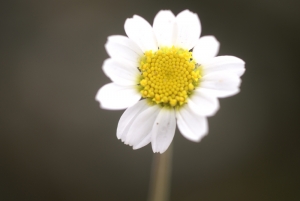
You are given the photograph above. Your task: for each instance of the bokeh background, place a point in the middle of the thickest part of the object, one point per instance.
(57, 144)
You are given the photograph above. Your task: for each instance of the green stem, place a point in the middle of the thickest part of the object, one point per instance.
(161, 176)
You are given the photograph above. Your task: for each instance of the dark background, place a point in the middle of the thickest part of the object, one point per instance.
(57, 144)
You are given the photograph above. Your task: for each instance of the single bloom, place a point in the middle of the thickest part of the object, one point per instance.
(165, 75)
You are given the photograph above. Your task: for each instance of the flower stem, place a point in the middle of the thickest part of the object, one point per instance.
(161, 176)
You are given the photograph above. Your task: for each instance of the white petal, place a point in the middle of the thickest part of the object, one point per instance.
(202, 103)
(143, 143)
(163, 26)
(206, 48)
(188, 29)
(123, 40)
(141, 32)
(121, 72)
(141, 127)
(229, 64)
(115, 97)
(128, 117)
(163, 130)
(221, 84)
(191, 125)
(118, 48)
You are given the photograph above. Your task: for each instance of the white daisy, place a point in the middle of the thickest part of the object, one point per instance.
(166, 74)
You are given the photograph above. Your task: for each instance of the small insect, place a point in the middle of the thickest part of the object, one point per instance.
(197, 65)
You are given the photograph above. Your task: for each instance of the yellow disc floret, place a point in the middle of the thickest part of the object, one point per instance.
(168, 76)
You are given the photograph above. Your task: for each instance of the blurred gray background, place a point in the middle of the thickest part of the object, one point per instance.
(57, 144)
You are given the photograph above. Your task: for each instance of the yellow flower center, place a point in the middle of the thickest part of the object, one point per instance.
(168, 76)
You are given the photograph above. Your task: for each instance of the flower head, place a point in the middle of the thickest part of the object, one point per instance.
(165, 75)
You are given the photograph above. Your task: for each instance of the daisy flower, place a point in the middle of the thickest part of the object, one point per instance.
(165, 75)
